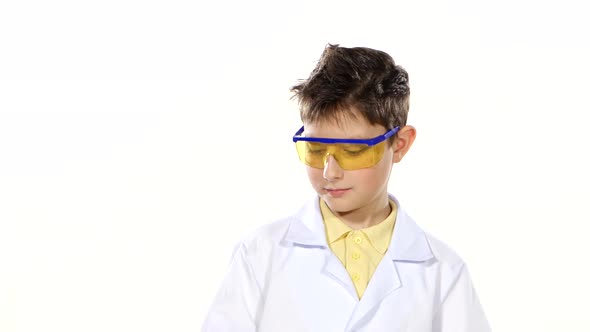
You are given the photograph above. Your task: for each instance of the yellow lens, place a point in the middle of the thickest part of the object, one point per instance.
(348, 156)
(357, 156)
(311, 153)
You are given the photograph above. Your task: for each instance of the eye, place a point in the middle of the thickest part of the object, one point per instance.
(315, 148)
(355, 150)
(319, 151)
(355, 153)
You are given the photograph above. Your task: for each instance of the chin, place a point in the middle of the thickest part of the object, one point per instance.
(340, 205)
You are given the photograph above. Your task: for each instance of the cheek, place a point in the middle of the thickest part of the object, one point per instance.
(367, 179)
(315, 175)
(375, 177)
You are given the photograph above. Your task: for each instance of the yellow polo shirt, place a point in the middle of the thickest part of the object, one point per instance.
(360, 251)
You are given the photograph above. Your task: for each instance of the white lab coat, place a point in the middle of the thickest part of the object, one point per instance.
(285, 278)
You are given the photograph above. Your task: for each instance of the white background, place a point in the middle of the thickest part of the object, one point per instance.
(140, 140)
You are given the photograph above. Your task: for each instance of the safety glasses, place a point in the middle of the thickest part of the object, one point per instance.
(351, 154)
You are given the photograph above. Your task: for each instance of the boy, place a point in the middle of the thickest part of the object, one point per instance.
(351, 259)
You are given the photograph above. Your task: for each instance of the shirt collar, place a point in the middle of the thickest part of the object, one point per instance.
(335, 228)
(379, 235)
(408, 242)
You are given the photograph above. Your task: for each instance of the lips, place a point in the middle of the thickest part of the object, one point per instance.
(337, 192)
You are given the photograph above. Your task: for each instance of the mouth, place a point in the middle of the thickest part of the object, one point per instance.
(337, 192)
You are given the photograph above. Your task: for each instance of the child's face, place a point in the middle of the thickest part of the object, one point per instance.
(349, 190)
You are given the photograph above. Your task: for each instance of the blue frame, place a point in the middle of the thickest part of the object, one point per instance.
(369, 141)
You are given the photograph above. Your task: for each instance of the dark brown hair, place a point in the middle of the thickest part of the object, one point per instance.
(362, 78)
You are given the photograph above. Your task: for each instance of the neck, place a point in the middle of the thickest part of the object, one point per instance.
(367, 216)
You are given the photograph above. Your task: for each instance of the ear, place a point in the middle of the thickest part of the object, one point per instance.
(402, 143)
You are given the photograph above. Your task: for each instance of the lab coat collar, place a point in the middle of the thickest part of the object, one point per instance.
(408, 242)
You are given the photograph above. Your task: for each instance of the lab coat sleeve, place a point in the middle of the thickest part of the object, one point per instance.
(461, 310)
(236, 303)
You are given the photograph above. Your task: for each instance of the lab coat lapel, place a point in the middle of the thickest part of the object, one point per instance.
(384, 282)
(335, 270)
(307, 229)
(408, 245)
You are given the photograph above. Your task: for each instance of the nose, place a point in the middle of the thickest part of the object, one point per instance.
(332, 170)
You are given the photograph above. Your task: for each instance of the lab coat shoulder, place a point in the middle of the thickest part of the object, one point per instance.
(260, 247)
(450, 263)
(443, 252)
(460, 308)
(267, 236)
(237, 304)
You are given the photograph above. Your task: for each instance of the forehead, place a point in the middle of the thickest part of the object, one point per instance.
(343, 127)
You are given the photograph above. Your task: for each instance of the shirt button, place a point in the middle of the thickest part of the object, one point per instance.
(356, 255)
(356, 276)
(358, 240)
